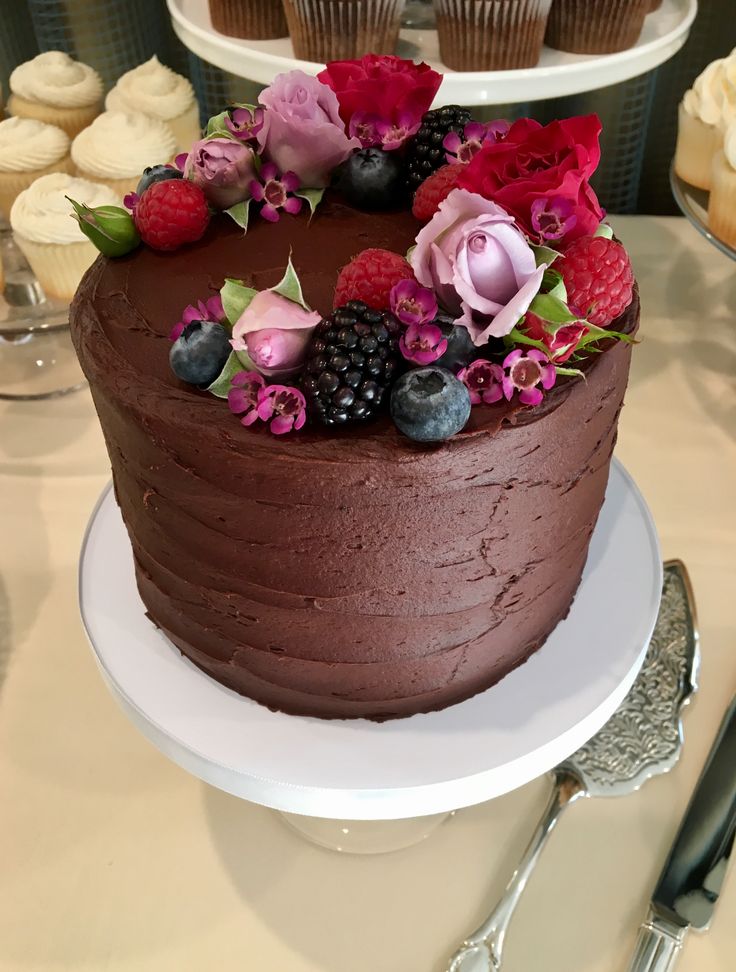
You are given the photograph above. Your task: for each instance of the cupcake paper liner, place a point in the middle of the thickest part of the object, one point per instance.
(491, 35)
(252, 19)
(12, 184)
(722, 202)
(58, 266)
(697, 143)
(653, 5)
(72, 120)
(595, 26)
(333, 30)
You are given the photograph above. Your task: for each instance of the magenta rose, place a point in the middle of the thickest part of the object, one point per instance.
(302, 131)
(274, 332)
(222, 168)
(478, 263)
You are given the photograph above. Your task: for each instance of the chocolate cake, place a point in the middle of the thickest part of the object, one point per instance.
(347, 569)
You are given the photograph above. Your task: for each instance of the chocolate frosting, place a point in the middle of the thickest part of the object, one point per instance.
(341, 574)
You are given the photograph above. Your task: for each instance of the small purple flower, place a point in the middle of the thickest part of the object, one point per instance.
(244, 123)
(475, 136)
(422, 343)
(180, 160)
(283, 406)
(524, 372)
(210, 309)
(413, 304)
(553, 217)
(374, 130)
(275, 192)
(483, 380)
(131, 200)
(244, 394)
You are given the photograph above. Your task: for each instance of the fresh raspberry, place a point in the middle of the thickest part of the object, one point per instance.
(171, 213)
(598, 278)
(370, 277)
(433, 190)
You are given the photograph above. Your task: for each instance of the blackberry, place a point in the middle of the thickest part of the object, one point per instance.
(425, 153)
(352, 360)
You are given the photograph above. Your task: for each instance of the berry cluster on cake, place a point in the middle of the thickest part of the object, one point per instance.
(421, 325)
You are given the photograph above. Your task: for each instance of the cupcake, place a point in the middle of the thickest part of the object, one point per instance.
(595, 26)
(118, 146)
(254, 19)
(491, 35)
(29, 149)
(157, 91)
(338, 30)
(653, 5)
(705, 111)
(50, 240)
(55, 89)
(722, 202)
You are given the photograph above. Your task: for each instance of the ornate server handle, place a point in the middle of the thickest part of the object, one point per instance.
(483, 949)
(658, 946)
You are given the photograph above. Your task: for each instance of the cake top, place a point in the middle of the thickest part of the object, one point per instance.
(506, 282)
(53, 78)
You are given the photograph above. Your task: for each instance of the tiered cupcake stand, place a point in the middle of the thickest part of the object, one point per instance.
(693, 204)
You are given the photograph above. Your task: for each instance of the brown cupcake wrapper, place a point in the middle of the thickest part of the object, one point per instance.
(491, 35)
(653, 5)
(251, 19)
(595, 26)
(333, 30)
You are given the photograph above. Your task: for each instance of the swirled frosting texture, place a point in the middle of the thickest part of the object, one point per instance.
(712, 97)
(53, 78)
(27, 144)
(120, 144)
(348, 574)
(41, 212)
(153, 89)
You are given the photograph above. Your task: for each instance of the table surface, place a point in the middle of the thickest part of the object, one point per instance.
(115, 859)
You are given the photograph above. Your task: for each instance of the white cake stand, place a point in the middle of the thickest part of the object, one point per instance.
(360, 770)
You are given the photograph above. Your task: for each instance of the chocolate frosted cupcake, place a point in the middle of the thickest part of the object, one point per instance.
(252, 19)
(595, 26)
(491, 35)
(336, 30)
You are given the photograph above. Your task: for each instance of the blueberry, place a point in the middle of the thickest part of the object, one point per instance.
(157, 173)
(371, 179)
(460, 348)
(429, 404)
(199, 354)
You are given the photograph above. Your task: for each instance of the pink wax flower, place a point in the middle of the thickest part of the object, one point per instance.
(244, 123)
(483, 381)
(422, 343)
(478, 262)
(524, 373)
(242, 398)
(411, 303)
(374, 130)
(210, 309)
(275, 332)
(553, 217)
(475, 136)
(222, 168)
(275, 192)
(283, 406)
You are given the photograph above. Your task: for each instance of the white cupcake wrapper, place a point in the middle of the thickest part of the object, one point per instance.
(722, 202)
(59, 267)
(697, 143)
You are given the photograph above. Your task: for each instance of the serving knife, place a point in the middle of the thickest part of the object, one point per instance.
(690, 883)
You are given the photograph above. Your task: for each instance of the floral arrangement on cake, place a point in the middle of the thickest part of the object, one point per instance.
(514, 278)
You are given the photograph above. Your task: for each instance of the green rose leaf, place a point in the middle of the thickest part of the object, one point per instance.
(239, 212)
(544, 254)
(290, 288)
(596, 333)
(221, 385)
(313, 197)
(553, 311)
(216, 127)
(572, 372)
(235, 298)
(516, 336)
(552, 283)
(604, 230)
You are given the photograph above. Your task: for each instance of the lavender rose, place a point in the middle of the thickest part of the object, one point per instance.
(478, 263)
(302, 131)
(222, 168)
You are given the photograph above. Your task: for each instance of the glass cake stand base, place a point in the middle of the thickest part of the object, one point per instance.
(693, 204)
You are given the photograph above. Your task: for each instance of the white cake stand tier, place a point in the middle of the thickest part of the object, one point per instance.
(558, 73)
(360, 770)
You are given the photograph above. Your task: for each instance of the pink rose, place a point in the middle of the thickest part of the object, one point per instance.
(274, 332)
(302, 130)
(222, 168)
(478, 263)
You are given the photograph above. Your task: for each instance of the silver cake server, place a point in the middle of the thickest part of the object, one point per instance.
(642, 739)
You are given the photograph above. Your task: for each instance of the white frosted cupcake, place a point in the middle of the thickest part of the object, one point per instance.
(118, 146)
(722, 202)
(704, 113)
(157, 91)
(29, 149)
(51, 241)
(53, 88)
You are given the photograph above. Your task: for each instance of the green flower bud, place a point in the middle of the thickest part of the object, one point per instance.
(110, 228)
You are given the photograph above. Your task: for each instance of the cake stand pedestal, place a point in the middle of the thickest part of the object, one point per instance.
(693, 204)
(356, 770)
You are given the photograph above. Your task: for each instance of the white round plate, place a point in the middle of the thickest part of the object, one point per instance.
(355, 769)
(558, 73)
